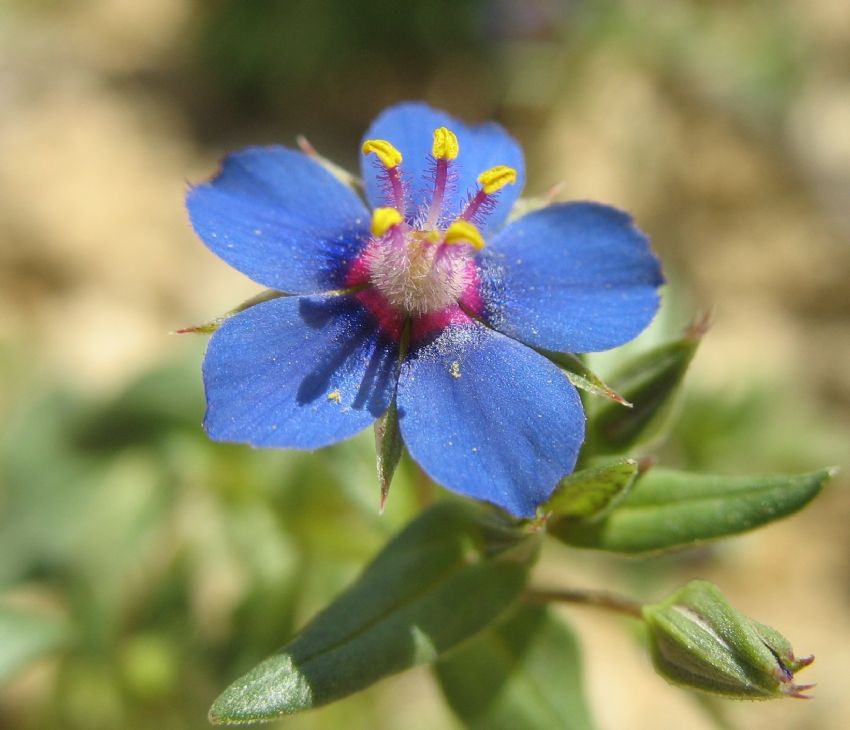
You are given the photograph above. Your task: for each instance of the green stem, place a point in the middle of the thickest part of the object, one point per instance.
(598, 599)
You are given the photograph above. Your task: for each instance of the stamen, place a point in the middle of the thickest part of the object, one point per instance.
(496, 178)
(390, 158)
(462, 231)
(383, 219)
(491, 182)
(444, 149)
(445, 145)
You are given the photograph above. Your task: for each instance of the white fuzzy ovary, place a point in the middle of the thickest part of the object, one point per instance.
(416, 273)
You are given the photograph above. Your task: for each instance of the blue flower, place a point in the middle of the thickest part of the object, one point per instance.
(425, 296)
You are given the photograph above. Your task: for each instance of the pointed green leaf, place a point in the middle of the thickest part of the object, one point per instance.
(207, 328)
(25, 636)
(449, 574)
(524, 674)
(582, 376)
(524, 206)
(340, 173)
(388, 448)
(669, 509)
(648, 382)
(591, 493)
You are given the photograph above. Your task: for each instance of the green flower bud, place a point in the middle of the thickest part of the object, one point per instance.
(698, 640)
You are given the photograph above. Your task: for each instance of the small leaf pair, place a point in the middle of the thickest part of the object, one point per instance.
(614, 508)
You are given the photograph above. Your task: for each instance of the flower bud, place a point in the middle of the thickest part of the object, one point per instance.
(698, 640)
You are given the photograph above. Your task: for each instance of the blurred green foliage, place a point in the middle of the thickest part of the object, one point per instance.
(174, 562)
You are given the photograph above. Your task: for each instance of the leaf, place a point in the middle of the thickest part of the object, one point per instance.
(388, 448)
(669, 509)
(582, 376)
(591, 493)
(207, 328)
(449, 574)
(524, 674)
(648, 382)
(26, 636)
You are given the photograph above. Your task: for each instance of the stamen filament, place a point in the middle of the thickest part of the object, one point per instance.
(390, 158)
(441, 177)
(491, 182)
(397, 187)
(444, 148)
(474, 205)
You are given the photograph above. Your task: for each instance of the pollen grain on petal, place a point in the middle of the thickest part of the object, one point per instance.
(389, 156)
(335, 396)
(383, 219)
(445, 145)
(496, 178)
(462, 231)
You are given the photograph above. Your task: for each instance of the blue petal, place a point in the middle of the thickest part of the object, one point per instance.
(573, 277)
(297, 372)
(279, 217)
(489, 418)
(410, 127)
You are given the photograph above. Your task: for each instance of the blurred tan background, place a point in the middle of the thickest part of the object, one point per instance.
(723, 125)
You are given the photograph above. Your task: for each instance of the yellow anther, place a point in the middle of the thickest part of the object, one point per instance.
(496, 178)
(464, 232)
(445, 145)
(383, 219)
(389, 156)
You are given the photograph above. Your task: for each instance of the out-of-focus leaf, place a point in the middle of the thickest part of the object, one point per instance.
(524, 674)
(26, 636)
(669, 509)
(449, 574)
(582, 376)
(591, 493)
(146, 413)
(648, 382)
(388, 448)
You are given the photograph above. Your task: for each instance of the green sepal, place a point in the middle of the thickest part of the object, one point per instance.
(207, 328)
(27, 635)
(582, 376)
(524, 206)
(449, 574)
(524, 674)
(339, 172)
(649, 381)
(388, 449)
(698, 640)
(589, 494)
(669, 509)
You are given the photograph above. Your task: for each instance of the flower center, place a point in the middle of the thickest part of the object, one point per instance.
(416, 262)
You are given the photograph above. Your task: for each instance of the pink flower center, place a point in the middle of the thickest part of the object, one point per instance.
(418, 263)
